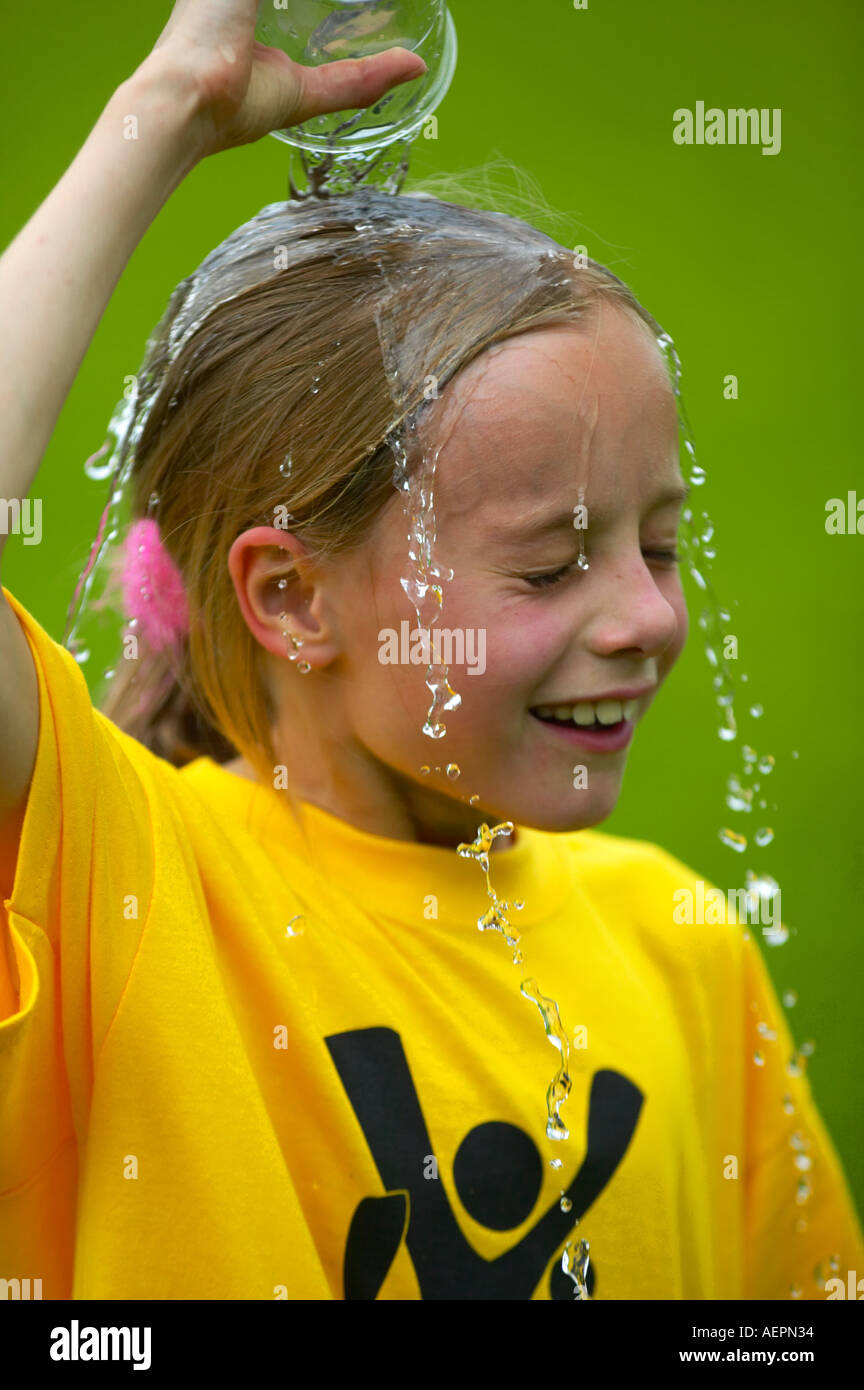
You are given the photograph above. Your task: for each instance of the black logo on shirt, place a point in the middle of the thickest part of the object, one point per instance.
(497, 1171)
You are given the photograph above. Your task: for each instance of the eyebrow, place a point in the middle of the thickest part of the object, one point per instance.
(546, 525)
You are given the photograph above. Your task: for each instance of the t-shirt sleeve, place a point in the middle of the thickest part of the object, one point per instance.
(82, 885)
(801, 1228)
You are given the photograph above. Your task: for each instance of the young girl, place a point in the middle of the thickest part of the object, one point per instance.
(252, 1044)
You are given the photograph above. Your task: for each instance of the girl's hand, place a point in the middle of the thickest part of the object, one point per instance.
(243, 89)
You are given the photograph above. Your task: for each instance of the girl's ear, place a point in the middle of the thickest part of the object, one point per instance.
(277, 595)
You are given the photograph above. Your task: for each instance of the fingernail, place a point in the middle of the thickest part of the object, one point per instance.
(412, 76)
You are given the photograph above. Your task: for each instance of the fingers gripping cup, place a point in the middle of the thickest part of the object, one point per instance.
(343, 148)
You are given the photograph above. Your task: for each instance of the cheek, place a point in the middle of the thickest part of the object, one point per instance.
(676, 646)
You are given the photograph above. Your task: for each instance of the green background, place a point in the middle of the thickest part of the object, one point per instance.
(750, 261)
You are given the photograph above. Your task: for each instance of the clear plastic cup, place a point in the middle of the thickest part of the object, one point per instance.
(313, 32)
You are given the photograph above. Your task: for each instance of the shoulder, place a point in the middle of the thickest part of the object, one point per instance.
(604, 860)
(671, 908)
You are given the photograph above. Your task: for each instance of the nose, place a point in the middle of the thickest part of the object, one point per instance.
(630, 607)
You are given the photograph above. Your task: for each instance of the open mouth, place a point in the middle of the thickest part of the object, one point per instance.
(595, 726)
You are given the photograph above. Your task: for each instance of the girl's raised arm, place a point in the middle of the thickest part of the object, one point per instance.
(206, 86)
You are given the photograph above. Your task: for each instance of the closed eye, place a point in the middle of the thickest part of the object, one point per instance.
(548, 580)
(543, 581)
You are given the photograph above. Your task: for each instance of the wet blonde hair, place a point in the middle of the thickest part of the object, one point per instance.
(237, 399)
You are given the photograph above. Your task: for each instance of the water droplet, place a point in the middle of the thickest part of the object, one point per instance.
(303, 667)
(793, 1067)
(453, 771)
(734, 840)
(286, 466)
(803, 1163)
(766, 764)
(748, 754)
(739, 798)
(555, 1163)
(795, 1291)
(795, 753)
(788, 1105)
(834, 1263)
(807, 1048)
(758, 1059)
(153, 501)
(775, 936)
(790, 999)
(424, 771)
(757, 711)
(93, 469)
(765, 835)
(697, 475)
(803, 1191)
(472, 800)
(290, 929)
(566, 1204)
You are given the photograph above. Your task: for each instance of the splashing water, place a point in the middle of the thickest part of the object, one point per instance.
(423, 584)
(495, 917)
(574, 1259)
(339, 172)
(559, 1088)
(741, 788)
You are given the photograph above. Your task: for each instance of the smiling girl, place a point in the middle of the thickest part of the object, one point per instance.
(252, 1044)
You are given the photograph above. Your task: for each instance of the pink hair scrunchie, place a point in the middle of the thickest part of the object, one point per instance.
(153, 587)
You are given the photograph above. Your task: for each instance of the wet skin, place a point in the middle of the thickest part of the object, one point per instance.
(521, 430)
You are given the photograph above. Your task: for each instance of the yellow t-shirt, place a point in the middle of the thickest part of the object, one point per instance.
(228, 1071)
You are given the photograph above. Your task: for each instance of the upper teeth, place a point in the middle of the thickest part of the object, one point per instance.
(587, 711)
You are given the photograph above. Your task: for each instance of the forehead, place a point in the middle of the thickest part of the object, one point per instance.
(541, 413)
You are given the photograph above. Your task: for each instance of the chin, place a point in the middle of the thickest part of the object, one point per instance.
(555, 820)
